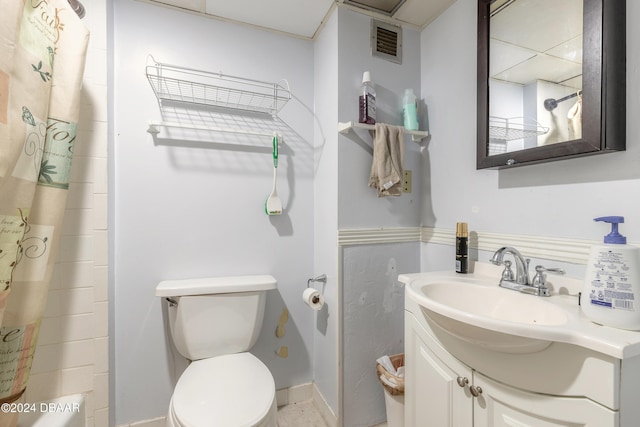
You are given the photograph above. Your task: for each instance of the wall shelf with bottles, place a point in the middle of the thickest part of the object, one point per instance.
(346, 127)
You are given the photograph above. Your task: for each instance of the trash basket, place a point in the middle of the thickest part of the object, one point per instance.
(393, 395)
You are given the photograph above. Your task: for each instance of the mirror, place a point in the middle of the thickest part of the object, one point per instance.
(551, 80)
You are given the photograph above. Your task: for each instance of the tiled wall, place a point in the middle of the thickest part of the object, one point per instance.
(72, 352)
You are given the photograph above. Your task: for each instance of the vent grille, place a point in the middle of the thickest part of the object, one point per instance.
(386, 41)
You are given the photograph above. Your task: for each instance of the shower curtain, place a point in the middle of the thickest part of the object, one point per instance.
(42, 55)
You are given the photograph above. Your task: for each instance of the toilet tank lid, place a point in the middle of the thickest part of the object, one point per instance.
(215, 285)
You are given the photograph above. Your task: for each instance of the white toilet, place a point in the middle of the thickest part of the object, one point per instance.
(214, 322)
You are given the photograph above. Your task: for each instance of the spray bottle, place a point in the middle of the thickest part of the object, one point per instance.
(612, 282)
(462, 247)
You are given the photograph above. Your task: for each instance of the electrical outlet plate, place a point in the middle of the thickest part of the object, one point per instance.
(406, 182)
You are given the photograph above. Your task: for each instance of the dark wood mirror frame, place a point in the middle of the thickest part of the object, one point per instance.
(603, 89)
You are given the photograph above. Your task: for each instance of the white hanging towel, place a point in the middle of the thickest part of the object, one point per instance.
(388, 156)
(575, 120)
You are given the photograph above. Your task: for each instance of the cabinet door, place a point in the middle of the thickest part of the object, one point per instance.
(433, 397)
(501, 406)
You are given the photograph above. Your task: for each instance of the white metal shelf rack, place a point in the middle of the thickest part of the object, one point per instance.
(509, 129)
(176, 85)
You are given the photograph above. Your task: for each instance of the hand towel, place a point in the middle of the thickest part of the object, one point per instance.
(388, 155)
(575, 120)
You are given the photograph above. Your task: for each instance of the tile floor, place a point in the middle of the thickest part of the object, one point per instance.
(303, 414)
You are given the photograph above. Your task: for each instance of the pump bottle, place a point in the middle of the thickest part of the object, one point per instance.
(612, 282)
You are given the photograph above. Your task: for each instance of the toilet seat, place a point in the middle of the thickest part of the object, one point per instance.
(232, 390)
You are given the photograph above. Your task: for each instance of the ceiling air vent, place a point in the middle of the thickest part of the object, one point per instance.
(386, 41)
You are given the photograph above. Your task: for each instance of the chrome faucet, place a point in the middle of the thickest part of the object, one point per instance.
(521, 282)
(522, 264)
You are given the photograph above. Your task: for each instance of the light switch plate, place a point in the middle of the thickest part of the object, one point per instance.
(406, 182)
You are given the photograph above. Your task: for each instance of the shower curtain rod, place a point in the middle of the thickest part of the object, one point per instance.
(77, 7)
(550, 104)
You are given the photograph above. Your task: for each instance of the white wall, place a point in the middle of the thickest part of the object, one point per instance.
(358, 204)
(372, 325)
(553, 199)
(185, 209)
(72, 352)
(325, 356)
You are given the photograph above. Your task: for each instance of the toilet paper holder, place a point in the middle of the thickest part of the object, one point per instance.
(313, 297)
(321, 278)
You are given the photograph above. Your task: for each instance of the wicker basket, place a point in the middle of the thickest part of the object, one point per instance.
(397, 360)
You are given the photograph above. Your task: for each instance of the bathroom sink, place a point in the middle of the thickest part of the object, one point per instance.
(479, 311)
(494, 302)
(472, 309)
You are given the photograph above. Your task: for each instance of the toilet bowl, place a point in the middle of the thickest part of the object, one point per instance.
(213, 323)
(230, 390)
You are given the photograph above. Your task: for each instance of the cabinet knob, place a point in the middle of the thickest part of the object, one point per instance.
(462, 381)
(475, 390)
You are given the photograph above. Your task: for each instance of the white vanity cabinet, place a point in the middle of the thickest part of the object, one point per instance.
(442, 391)
(498, 405)
(436, 392)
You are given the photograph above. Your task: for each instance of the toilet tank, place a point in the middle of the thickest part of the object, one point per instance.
(214, 316)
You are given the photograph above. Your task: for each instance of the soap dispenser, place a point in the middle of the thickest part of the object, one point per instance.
(612, 281)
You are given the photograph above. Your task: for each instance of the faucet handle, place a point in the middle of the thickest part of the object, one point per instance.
(554, 270)
(539, 280)
(507, 273)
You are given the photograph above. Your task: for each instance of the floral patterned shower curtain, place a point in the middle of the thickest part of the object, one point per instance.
(42, 56)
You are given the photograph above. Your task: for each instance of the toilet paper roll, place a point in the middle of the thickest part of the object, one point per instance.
(313, 298)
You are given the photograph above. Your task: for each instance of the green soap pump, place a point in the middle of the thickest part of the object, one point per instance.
(612, 281)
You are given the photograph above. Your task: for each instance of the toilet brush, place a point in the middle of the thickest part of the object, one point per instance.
(273, 205)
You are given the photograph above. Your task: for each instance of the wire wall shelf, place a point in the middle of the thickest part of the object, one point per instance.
(514, 128)
(180, 84)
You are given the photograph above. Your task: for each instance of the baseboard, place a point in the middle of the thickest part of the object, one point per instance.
(324, 408)
(304, 393)
(155, 422)
(295, 394)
